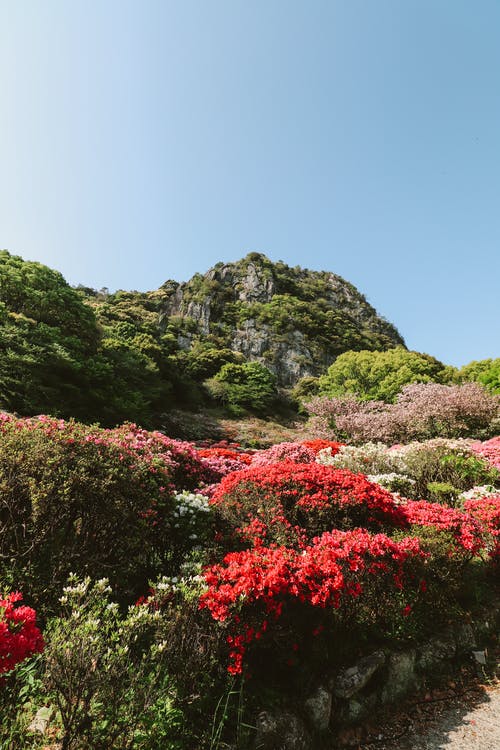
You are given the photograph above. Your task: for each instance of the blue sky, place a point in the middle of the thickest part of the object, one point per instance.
(141, 141)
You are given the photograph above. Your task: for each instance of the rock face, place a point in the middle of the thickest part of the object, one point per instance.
(292, 320)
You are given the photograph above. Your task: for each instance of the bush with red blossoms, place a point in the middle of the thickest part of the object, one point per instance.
(320, 445)
(19, 635)
(487, 511)
(253, 588)
(289, 503)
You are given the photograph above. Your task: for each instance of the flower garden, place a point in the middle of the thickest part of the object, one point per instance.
(170, 592)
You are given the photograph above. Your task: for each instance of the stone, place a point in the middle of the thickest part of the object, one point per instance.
(465, 637)
(401, 677)
(436, 650)
(318, 708)
(281, 731)
(350, 681)
(480, 657)
(41, 720)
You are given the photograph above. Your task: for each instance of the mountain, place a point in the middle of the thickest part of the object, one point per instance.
(292, 320)
(135, 356)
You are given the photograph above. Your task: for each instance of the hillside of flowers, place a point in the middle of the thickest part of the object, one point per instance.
(155, 593)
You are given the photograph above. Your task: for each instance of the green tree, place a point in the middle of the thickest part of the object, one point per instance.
(373, 375)
(249, 385)
(485, 371)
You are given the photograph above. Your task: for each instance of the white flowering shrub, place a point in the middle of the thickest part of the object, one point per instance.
(191, 516)
(398, 483)
(370, 458)
(106, 671)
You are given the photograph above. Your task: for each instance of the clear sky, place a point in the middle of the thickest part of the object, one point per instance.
(147, 140)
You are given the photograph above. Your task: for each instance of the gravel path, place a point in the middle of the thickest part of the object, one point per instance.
(458, 725)
(461, 713)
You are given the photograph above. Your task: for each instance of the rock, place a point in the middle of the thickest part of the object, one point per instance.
(41, 720)
(232, 302)
(480, 657)
(401, 677)
(465, 637)
(281, 731)
(435, 651)
(351, 680)
(318, 708)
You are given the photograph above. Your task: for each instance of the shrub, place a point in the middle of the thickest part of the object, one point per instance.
(19, 635)
(252, 588)
(289, 503)
(296, 452)
(421, 411)
(490, 450)
(91, 501)
(378, 376)
(107, 675)
(248, 386)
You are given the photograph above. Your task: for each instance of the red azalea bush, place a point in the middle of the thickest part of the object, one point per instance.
(289, 503)
(464, 528)
(252, 588)
(19, 635)
(487, 511)
(320, 445)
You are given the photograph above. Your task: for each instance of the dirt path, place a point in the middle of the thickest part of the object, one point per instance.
(462, 713)
(465, 722)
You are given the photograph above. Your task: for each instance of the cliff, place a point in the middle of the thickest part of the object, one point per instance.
(292, 320)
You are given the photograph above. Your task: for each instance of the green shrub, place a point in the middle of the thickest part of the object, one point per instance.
(248, 386)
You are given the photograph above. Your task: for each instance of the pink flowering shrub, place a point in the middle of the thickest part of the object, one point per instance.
(490, 450)
(92, 501)
(296, 452)
(19, 635)
(421, 411)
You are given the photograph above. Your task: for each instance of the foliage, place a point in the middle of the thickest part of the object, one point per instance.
(378, 375)
(107, 675)
(250, 385)
(97, 502)
(421, 411)
(485, 371)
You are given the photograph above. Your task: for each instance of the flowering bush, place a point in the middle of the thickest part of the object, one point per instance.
(288, 502)
(92, 501)
(296, 452)
(19, 635)
(422, 410)
(490, 450)
(487, 511)
(321, 445)
(253, 587)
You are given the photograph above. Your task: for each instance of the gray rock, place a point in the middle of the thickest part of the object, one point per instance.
(465, 637)
(401, 677)
(480, 657)
(41, 720)
(350, 681)
(435, 651)
(318, 708)
(281, 731)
